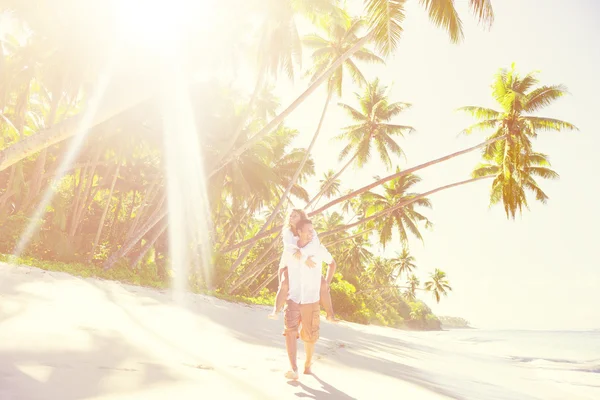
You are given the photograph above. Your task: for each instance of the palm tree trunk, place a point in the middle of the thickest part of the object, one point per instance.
(264, 284)
(40, 163)
(400, 174)
(126, 248)
(240, 282)
(348, 237)
(400, 205)
(260, 236)
(290, 184)
(105, 211)
(275, 122)
(251, 270)
(19, 126)
(83, 200)
(234, 228)
(149, 244)
(8, 193)
(133, 201)
(77, 191)
(149, 199)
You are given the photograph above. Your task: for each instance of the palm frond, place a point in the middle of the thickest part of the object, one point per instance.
(443, 14)
(385, 19)
(482, 170)
(357, 76)
(314, 41)
(543, 97)
(354, 113)
(542, 172)
(483, 11)
(481, 126)
(550, 124)
(366, 55)
(481, 112)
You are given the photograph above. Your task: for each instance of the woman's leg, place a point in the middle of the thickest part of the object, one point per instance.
(282, 292)
(326, 300)
(284, 288)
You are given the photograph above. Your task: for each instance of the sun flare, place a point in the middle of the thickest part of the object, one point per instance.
(159, 23)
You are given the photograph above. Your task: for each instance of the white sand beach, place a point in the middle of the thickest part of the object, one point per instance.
(68, 338)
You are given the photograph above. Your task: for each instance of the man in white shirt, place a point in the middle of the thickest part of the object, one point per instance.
(302, 306)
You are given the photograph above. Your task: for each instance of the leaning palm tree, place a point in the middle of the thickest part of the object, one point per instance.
(513, 180)
(515, 127)
(438, 285)
(519, 99)
(405, 219)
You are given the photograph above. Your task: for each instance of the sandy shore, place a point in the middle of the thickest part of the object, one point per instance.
(68, 338)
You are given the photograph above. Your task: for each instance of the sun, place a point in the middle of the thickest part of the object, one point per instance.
(156, 24)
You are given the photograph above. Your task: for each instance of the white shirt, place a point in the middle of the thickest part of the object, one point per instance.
(305, 282)
(290, 246)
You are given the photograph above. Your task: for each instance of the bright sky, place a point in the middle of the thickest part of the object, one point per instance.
(541, 270)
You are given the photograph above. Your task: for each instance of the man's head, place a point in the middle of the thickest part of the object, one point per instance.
(305, 228)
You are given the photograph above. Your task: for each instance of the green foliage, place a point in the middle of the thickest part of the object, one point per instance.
(454, 322)
(145, 277)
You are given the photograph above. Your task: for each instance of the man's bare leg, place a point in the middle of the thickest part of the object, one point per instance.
(282, 293)
(309, 348)
(326, 302)
(291, 344)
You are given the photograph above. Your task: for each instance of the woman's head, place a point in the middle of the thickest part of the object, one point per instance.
(296, 215)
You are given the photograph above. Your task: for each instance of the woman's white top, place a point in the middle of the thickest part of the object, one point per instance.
(290, 246)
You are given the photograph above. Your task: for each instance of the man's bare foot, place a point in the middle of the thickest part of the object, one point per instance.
(273, 315)
(292, 374)
(307, 370)
(331, 318)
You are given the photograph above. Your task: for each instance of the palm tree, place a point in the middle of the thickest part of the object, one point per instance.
(330, 186)
(379, 272)
(372, 126)
(438, 285)
(413, 284)
(355, 254)
(404, 263)
(404, 218)
(510, 188)
(338, 36)
(514, 128)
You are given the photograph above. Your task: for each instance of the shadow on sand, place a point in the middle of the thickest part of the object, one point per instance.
(328, 393)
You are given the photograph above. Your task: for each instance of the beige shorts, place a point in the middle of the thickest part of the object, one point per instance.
(305, 316)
